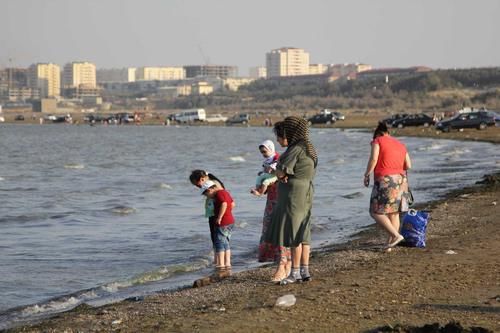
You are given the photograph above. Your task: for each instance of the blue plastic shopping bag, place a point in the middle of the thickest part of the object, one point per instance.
(414, 228)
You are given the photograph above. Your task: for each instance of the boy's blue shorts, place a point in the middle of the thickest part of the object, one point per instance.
(222, 237)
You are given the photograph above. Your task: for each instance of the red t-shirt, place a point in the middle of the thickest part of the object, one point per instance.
(220, 197)
(391, 157)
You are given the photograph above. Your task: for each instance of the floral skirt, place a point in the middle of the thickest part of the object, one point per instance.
(267, 251)
(389, 194)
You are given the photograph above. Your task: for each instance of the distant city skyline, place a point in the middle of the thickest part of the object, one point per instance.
(128, 33)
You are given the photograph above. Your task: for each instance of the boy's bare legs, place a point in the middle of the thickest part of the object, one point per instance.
(227, 259)
(220, 260)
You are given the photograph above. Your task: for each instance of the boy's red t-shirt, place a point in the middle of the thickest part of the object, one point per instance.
(391, 157)
(220, 197)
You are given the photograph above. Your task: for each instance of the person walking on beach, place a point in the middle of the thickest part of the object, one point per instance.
(224, 221)
(197, 178)
(389, 160)
(291, 218)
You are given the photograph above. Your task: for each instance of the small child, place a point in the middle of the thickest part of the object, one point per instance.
(224, 221)
(266, 177)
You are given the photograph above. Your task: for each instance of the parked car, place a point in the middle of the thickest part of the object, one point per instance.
(215, 118)
(49, 117)
(420, 119)
(338, 115)
(322, 118)
(479, 120)
(495, 115)
(394, 117)
(19, 117)
(242, 118)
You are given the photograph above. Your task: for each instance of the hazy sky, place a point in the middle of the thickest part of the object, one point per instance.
(119, 33)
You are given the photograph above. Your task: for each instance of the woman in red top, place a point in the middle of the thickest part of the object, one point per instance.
(389, 161)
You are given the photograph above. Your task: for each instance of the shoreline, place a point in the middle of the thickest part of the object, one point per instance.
(249, 291)
(247, 295)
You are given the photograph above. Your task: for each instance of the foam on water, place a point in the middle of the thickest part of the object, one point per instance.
(237, 159)
(123, 210)
(1, 179)
(74, 166)
(165, 186)
(432, 146)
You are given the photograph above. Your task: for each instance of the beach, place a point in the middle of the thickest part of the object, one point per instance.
(356, 286)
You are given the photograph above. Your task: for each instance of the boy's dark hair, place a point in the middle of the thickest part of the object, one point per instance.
(279, 129)
(196, 175)
(380, 130)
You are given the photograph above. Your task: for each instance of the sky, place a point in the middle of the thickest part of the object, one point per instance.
(134, 33)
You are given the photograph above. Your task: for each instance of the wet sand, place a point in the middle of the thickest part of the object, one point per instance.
(356, 286)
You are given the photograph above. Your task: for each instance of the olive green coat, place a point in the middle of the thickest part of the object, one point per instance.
(291, 219)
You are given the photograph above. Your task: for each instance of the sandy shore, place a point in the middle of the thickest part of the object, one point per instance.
(356, 286)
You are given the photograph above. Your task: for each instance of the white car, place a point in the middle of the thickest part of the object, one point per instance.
(216, 118)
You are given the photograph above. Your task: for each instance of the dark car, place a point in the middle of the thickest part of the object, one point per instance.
(394, 117)
(495, 115)
(479, 120)
(19, 117)
(322, 118)
(420, 119)
(242, 118)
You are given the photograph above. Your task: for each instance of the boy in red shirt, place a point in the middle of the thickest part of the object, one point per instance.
(224, 222)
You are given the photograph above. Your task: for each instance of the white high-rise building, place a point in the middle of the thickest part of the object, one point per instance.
(287, 61)
(79, 74)
(160, 73)
(46, 78)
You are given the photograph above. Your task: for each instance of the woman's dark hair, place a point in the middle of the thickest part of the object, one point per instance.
(279, 129)
(196, 175)
(380, 130)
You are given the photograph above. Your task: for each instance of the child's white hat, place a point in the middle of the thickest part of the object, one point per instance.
(206, 185)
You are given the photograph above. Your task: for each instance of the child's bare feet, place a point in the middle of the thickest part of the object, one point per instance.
(255, 192)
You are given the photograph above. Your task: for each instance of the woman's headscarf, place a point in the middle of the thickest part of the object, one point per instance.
(297, 132)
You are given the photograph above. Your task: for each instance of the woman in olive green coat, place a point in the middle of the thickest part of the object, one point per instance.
(291, 218)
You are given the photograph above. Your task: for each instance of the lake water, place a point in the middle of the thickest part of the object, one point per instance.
(98, 214)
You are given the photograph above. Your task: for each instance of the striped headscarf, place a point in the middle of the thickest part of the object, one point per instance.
(297, 132)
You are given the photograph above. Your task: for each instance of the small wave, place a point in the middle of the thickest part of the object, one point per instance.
(52, 306)
(123, 210)
(457, 152)
(1, 178)
(433, 146)
(352, 195)
(237, 159)
(159, 274)
(243, 225)
(74, 166)
(165, 186)
(337, 161)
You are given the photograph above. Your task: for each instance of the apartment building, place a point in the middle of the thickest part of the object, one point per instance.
(317, 69)
(259, 72)
(79, 74)
(222, 72)
(159, 73)
(46, 78)
(348, 69)
(287, 61)
(115, 75)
